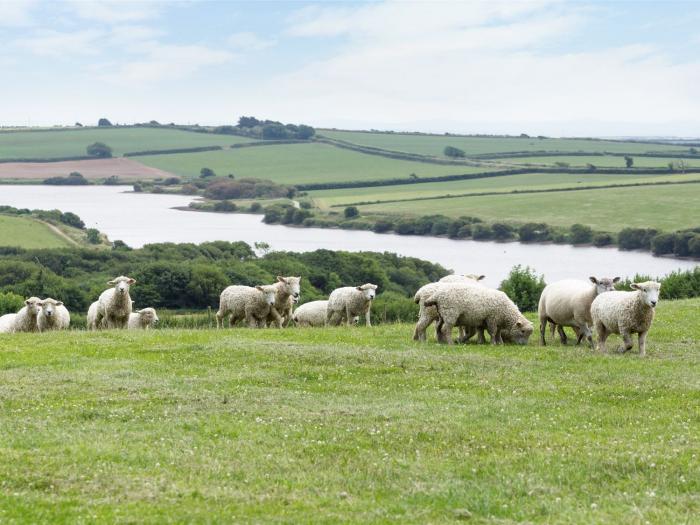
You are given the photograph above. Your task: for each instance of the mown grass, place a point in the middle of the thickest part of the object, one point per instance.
(664, 207)
(299, 163)
(347, 425)
(607, 161)
(70, 143)
(28, 233)
(435, 144)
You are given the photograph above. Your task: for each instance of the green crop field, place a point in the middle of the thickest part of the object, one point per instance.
(604, 161)
(529, 181)
(28, 233)
(435, 144)
(299, 163)
(71, 143)
(664, 207)
(347, 425)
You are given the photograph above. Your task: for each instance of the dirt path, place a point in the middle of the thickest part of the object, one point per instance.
(61, 234)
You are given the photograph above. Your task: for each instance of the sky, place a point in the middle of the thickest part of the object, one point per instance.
(557, 68)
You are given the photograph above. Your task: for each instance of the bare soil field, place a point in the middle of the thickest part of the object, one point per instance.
(125, 169)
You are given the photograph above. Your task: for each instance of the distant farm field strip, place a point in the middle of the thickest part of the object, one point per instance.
(72, 143)
(604, 161)
(528, 181)
(435, 144)
(300, 163)
(125, 169)
(28, 233)
(663, 207)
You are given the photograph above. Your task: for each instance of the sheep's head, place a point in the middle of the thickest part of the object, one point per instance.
(33, 305)
(291, 286)
(121, 284)
(148, 316)
(369, 290)
(521, 331)
(48, 306)
(269, 292)
(649, 291)
(604, 284)
(474, 277)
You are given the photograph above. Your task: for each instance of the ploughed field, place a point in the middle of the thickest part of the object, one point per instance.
(124, 168)
(348, 425)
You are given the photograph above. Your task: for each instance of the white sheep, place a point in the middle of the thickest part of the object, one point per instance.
(91, 320)
(52, 316)
(6, 322)
(350, 301)
(474, 307)
(314, 314)
(458, 278)
(114, 306)
(25, 320)
(288, 293)
(568, 303)
(246, 302)
(143, 319)
(626, 313)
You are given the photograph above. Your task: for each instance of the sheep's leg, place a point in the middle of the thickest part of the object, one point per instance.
(492, 329)
(481, 338)
(562, 335)
(543, 331)
(643, 343)
(446, 333)
(438, 330)
(277, 318)
(421, 326)
(627, 340)
(333, 318)
(602, 336)
(219, 318)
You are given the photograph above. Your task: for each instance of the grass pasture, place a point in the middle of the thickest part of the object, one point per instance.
(25, 232)
(435, 144)
(71, 143)
(299, 163)
(604, 161)
(347, 425)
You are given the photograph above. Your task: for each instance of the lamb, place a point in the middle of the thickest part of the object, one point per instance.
(91, 320)
(288, 293)
(114, 306)
(25, 319)
(568, 303)
(475, 306)
(314, 314)
(350, 301)
(246, 302)
(52, 316)
(143, 319)
(626, 313)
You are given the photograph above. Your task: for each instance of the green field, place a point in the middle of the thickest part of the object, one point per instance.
(667, 208)
(28, 233)
(71, 143)
(604, 161)
(529, 181)
(347, 425)
(435, 144)
(299, 163)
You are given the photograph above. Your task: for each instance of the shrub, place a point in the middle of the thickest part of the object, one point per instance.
(405, 227)
(93, 236)
(635, 238)
(663, 243)
(246, 188)
(382, 226)
(103, 122)
(112, 181)
(393, 307)
(99, 149)
(138, 188)
(305, 205)
(172, 181)
(681, 244)
(694, 246)
(524, 287)
(481, 232)
(10, 303)
(533, 232)
(681, 285)
(453, 152)
(188, 189)
(255, 207)
(581, 234)
(602, 239)
(351, 212)
(502, 231)
(73, 179)
(71, 219)
(224, 206)
(465, 232)
(272, 215)
(206, 172)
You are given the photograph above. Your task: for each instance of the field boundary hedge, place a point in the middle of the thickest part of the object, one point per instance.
(46, 160)
(171, 151)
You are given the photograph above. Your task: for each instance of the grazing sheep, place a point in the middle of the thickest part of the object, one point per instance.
(426, 315)
(245, 302)
(475, 306)
(52, 316)
(288, 292)
(350, 301)
(114, 305)
(314, 314)
(6, 322)
(91, 320)
(626, 313)
(568, 303)
(25, 319)
(143, 319)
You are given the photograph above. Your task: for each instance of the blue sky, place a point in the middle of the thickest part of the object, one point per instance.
(550, 67)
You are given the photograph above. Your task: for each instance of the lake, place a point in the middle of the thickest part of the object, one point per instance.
(139, 218)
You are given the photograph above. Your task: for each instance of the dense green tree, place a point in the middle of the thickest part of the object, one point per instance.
(99, 149)
(451, 151)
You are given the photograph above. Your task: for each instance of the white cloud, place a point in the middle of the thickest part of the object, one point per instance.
(247, 41)
(52, 43)
(114, 11)
(16, 13)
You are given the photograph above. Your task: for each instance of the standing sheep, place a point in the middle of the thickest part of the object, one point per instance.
(114, 305)
(626, 313)
(350, 301)
(143, 319)
(52, 316)
(246, 302)
(91, 320)
(288, 292)
(568, 303)
(475, 306)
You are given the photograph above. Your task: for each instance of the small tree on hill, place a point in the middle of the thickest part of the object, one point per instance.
(629, 161)
(206, 172)
(451, 151)
(351, 212)
(103, 122)
(99, 149)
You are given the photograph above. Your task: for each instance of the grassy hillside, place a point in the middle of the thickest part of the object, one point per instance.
(299, 163)
(347, 425)
(435, 144)
(664, 207)
(29, 233)
(605, 161)
(71, 143)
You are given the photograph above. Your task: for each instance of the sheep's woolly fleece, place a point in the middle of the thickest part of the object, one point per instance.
(625, 312)
(52, 316)
(245, 302)
(143, 319)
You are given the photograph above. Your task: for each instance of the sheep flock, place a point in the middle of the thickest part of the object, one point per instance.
(455, 301)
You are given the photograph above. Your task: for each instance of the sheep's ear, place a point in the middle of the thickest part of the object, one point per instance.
(259, 288)
(39, 304)
(616, 280)
(481, 277)
(281, 279)
(359, 288)
(131, 281)
(59, 303)
(593, 280)
(112, 282)
(635, 286)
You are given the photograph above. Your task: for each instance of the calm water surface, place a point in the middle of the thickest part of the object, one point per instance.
(139, 219)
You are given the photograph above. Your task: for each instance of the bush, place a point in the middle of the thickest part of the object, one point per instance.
(453, 152)
(273, 215)
(225, 206)
(635, 238)
(246, 188)
(694, 246)
(172, 181)
(10, 303)
(112, 181)
(103, 122)
(138, 188)
(681, 285)
(405, 227)
(663, 243)
(502, 231)
(524, 287)
(99, 149)
(581, 234)
(481, 232)
(71, 219)
(206, 172)
(73, 179)
(681, 244)
(393, 307)
(382, 226)
(602, 239)
(533, 232)
(93, 236)
(351, 212)
(255, 207)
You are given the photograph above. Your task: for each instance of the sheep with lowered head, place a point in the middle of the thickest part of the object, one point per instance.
(143, 319)
(114, 306)
(91, 319)
(350, 301)
(626, 313)
(568, 303)
(246, 302)
(288, 293)
(52, 316)
(314, 314)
